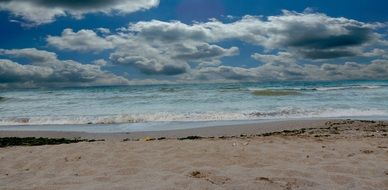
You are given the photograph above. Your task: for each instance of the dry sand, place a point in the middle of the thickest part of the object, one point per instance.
(348, 155)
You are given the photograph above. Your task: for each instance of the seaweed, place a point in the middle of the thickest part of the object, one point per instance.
(190, 138)
(33, 141)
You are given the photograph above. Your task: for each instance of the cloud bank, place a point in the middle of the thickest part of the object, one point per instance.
(173, 48)
(36, 12)
(293, 46)
(43, 68)
(375, 70)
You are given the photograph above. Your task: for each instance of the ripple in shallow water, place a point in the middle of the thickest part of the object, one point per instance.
(275, 93)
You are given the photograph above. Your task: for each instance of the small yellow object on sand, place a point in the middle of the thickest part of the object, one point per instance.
(148, 139)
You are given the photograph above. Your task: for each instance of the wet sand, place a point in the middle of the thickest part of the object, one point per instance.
(216, 131)
(339, 154)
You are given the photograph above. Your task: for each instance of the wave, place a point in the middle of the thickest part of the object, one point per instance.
(70, 120)
(274, 92)
(336, 88)
(167, 90)
(121, 119)
(320, 112)
(283, 113)
(348, 88)
(296, 91)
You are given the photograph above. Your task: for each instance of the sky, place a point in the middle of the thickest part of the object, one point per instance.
(55, 43)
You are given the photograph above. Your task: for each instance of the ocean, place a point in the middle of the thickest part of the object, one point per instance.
(179, 106)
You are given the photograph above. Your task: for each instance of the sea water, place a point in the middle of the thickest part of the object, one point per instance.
(178, 106)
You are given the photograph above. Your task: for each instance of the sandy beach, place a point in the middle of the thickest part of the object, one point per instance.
(341, 154)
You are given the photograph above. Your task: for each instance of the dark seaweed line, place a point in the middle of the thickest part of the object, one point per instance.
(33, 141)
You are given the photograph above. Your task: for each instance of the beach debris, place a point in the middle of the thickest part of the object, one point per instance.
(72, 159)
(190, 138)
(367, 151)
(162, 138)
(223, 137)
(245, 143)
(195, 174)
(264, 179)
(351, 154)
(234, 144)
(148, 139)
(96, 140)
(208, 176)
(33, 141)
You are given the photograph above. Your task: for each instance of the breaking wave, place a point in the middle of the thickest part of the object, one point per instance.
(283, 113)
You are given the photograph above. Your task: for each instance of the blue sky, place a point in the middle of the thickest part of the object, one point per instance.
(172, 41)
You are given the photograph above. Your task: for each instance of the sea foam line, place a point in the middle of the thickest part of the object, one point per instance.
(282, 113)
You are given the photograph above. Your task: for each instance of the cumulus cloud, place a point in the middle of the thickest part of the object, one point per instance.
(283, 57)
(173, 47)
(312, 35)
(375, 70)
(151, 61)
(100, 62)
(83, 40)
(149, 56)
(36, 12)
(168, 59)
(13, 72)
(32, 54)
(45, 69)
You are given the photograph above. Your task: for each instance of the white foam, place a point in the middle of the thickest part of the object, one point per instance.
(348, 87)
(283, 113)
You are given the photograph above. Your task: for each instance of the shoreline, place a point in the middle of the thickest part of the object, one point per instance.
(213, 131)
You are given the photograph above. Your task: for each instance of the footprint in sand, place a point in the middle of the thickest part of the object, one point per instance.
(288, 183)
(208, 176)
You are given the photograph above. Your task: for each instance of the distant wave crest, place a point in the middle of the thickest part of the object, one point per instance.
(335, 88)
(272, 92)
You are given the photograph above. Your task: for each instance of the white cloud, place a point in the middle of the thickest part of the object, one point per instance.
(149, 56)
(283, 57)
(171, 48)
(83, 40)
(13, 72)
(36, 12)
(100, 62)
(44, 69)
(32, 54)
(312, 35)
(375, 70)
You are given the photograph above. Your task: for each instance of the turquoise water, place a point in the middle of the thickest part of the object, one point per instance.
(129, 108)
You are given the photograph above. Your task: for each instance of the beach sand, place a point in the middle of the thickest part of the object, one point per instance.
(341, 154)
